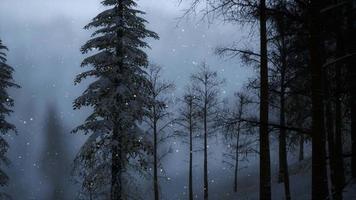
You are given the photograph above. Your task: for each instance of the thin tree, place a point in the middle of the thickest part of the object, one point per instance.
(233, 128)
(206, 86)
(187, 119)
(158, 117)
(6, 102)
(118, 95)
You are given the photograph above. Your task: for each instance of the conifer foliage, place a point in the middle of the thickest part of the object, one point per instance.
(6, 102)
(118, 94)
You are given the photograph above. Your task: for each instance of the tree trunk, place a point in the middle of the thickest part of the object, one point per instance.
(206, 183)
(237, 151)
(283, 155)
(190, 152)
(339, 162)
(116, 156)
(301, 147)
(352, 71)
(265, 167)
(155, 174)
(283, 162)
(352, 76)
(331, 142)
(319, 174)
(116, 165)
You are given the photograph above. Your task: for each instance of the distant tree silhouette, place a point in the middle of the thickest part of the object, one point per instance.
(54, 156)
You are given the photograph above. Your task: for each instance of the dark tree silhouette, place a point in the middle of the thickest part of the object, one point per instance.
(319, 177)
(54, 157)
(6, 102)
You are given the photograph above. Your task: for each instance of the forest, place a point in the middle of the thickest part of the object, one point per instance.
(177, 99)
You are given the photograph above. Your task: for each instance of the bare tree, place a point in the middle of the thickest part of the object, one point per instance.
(158, 117)
(250, 11)
(206, 86)
(233, 127)
(187, 119)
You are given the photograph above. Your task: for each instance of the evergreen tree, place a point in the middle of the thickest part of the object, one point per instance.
(6, 102)
(119, 94)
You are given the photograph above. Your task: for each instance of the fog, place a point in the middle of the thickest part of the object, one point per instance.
(44, 38)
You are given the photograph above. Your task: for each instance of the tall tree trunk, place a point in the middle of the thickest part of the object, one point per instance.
(116, 165)
(319, 174)
(301, 147)
(339, 171)
(352, 76)
(116, 156)
(283, 155)
(331, 140)
(237, 150)
(353, 118)
(206, 183)
(265, 166)
(283, 158)
(190, 152)
(155, 175)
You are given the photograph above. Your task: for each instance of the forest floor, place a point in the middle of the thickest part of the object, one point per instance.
(221, 180)
(300, 184)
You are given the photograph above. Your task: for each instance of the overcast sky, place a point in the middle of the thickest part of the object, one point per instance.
(44, 38)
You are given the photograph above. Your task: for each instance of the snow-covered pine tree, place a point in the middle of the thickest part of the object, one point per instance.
(6, 102)
(119, 94)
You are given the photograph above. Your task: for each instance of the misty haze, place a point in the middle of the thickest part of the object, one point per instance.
(177, 99)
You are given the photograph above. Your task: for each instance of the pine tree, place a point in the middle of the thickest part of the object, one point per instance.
(6, 102)
(119, 94)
